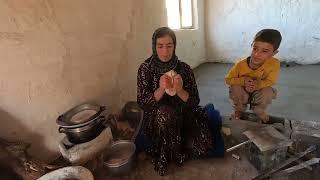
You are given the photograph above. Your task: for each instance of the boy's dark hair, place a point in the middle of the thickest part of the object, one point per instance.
(270, 36)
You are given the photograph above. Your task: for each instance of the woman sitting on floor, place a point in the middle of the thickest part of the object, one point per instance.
(175, 126)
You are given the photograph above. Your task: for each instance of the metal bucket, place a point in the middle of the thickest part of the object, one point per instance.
(119, 158)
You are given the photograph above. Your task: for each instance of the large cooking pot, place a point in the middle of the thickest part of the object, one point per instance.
(84, 129)
(84, 133)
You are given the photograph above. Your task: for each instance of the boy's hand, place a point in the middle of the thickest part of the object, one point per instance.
(250, 84)
(253, 86)
(247, 81)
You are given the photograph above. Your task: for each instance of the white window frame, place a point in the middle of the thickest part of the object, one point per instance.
(193, 16)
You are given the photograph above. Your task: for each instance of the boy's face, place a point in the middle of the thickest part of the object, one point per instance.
(261, 51)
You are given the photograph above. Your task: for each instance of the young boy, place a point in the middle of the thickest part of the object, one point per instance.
(250, 80)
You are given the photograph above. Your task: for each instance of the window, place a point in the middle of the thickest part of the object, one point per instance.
(180, 14)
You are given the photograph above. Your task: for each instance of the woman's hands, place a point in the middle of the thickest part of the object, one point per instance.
(165, 82)
(175, 82)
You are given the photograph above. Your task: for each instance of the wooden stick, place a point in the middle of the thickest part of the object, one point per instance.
(285, 163)
(300, 162)
(237, 146)
(299, 166)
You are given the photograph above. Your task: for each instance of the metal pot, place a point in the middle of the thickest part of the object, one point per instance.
(85, 129)
(132, 112)
(134, 115)
(84, 133)
(123, 151)
(65, 120)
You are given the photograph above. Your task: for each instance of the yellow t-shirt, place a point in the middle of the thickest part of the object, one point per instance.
(267, 74)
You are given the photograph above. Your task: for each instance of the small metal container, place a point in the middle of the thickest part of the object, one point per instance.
(132, 112)
(134, 115)
(118, 159)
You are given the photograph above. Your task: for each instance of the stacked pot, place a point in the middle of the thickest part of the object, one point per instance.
(82, 123)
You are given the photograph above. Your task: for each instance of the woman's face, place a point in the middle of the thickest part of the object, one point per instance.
(165, 48)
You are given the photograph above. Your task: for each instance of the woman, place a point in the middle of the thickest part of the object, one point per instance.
(175, 124)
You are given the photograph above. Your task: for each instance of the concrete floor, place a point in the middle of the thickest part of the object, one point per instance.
(206, 169)
(298, 90)
(298, 95)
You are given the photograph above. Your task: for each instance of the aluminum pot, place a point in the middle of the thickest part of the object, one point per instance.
(84, 133)
(132, 112)
(65, 120)
(119, 158)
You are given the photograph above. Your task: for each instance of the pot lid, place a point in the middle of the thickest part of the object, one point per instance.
(80, 115)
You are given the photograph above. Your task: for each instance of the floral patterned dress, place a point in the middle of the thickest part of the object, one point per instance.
(177, 129)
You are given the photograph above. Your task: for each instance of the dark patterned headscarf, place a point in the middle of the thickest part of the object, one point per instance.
(159, 66)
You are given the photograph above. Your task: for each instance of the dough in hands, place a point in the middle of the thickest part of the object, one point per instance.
(171, 91)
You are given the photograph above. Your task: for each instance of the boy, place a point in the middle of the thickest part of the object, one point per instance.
(250, 80)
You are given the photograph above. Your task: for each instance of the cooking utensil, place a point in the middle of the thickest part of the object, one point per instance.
(66, 120)
(134, 115)
(119, 157)
(84, 133)
(82, 123)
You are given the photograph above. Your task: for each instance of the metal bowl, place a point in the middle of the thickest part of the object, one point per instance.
(119, 158)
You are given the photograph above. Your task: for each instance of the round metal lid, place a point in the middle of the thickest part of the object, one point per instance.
(80, 115)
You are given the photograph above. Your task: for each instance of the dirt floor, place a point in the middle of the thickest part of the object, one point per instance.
(204, 169)
(228, 168)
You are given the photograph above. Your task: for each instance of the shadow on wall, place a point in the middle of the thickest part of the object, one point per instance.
(13, 130)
